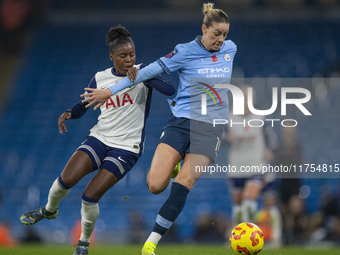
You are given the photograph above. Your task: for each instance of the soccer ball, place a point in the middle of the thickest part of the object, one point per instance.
(246, 239)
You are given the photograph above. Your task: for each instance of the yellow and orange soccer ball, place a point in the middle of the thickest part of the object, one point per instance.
(246, 239)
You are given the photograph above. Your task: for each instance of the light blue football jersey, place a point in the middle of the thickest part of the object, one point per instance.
(199, 71)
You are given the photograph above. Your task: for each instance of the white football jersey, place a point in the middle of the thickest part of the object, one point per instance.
(249, 147)
(121, 123)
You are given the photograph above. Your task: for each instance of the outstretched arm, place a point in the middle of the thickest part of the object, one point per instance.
(78, 110)
(159, 83)
(75, 112)
(99, 96)
(162, 85)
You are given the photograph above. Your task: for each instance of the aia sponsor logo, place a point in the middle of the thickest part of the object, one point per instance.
(119, 100)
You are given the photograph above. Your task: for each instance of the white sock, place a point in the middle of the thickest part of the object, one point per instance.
(154, 237)
(236, 214)
(56, 194)
(89, 215)
(249, 208)
(276, 227)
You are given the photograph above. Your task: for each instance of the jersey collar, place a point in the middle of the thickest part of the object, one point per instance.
(117, 74)
(198, 41)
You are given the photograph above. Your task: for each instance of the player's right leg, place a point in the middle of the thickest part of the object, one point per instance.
(236, 188)
(163, 163)
(79, 165)
(237, 209)
(171, 149)
(176, 200)
(251, 192)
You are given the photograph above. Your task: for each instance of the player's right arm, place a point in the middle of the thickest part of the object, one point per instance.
(98, 97)
(75, 112)
(159, 83)
(171, 62)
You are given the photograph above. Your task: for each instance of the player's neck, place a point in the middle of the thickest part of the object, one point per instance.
(205, 45)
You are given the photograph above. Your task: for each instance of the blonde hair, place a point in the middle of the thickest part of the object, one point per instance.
(213, 15)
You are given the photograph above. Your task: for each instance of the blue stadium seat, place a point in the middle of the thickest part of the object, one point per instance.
(59, 64)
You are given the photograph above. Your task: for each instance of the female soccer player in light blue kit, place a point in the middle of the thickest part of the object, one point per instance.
(189, 134)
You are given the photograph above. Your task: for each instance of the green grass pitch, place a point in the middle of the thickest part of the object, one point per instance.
(161, 250)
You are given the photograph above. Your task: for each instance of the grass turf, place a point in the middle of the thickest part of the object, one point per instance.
(161, 250)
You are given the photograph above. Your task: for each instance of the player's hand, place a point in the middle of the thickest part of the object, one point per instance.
(132, 74)
(95, 96)
(61, 121)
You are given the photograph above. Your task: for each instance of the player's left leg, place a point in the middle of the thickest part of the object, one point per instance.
(176, 170)
(251, 192)
(76, 168)
(101, 183)
(116, 165)
(201, 144)
(269, 193)
(168, 213)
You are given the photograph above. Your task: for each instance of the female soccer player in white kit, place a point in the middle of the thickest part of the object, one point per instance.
(201, 64)
(114, 144)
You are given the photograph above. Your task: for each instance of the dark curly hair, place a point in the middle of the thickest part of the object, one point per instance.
(116, 36)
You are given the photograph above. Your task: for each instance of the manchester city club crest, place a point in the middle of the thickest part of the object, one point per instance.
(227, 57)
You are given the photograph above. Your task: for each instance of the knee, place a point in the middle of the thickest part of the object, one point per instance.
(155, 187)
(66, 182)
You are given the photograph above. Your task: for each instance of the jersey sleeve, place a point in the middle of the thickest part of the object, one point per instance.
(162, 85)
(79, 108)
(144, 74)
(232, 48)
(159, 83)
(174, 60)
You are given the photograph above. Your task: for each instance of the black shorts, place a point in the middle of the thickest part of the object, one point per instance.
(192, 136)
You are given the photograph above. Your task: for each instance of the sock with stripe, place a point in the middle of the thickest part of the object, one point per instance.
(169, 211)
(57, 192)
(236, 215)
(249, 208)
(89, 215)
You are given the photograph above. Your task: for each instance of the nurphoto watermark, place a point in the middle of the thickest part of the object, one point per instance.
(256, 127)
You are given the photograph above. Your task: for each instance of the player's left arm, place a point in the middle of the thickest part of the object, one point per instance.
(162, 85)
(159, 83)
(75, 112)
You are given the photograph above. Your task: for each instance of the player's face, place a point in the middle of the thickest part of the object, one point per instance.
(123, 57)
(214, 36)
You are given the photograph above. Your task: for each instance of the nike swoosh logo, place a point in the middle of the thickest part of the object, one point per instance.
(120, 158)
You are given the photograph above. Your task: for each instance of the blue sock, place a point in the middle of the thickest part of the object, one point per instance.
(171, 208)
